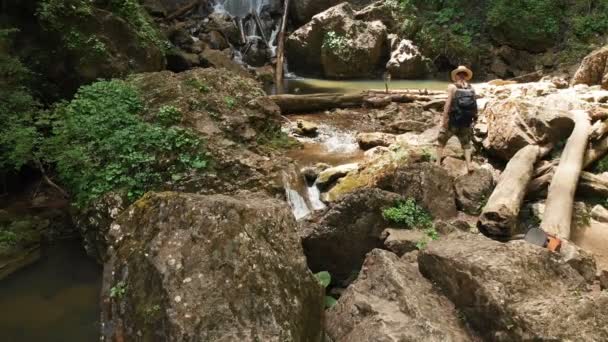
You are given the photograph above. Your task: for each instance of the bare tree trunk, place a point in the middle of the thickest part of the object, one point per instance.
(258, 22)
(281, 51)
(560, 199)
(499, 216)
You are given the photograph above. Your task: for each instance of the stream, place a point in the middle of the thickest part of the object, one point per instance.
(56, 299)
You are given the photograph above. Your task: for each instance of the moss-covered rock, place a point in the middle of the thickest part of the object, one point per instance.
(209, 268)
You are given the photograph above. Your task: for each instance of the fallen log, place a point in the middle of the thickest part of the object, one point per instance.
(599, 130)
(592, 185)
(259, 24)
(316, 102)
(560, 198)
(499, 216)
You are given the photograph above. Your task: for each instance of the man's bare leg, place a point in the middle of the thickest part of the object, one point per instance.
(439, 155)
(467, 159)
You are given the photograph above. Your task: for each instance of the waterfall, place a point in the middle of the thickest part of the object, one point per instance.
(240, 8)
(292, 182)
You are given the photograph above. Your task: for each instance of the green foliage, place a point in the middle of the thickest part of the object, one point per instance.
(168, 115)
(230, 101)
(119, 290)
(409, 214)
(534, 18)
(137, 17)
(18, 109)
(324, 278)
(602, 165)
(100, 144)
(431, 235)
(274, 138)
(337, 44)
(197, 84)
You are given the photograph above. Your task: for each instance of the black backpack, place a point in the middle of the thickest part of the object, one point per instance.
(464, 107)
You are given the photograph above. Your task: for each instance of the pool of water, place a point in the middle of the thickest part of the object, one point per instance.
(312, 85)
(53, 300)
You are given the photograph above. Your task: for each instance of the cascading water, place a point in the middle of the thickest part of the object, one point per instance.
(241, 8)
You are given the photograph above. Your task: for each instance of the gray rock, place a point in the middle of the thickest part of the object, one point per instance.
(338, 240)
(391, 301)
(370, 140)
(407, 61)
(515, 291)
(428, 184)
(473, 190)
(402, 241)
(330, 175)
(189, 265)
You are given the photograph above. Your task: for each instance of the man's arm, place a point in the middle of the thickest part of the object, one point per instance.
(446, 109)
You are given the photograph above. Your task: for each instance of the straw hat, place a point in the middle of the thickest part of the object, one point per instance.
(460, 69)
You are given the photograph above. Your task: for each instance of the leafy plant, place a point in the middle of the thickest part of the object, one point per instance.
(324, 278)
(337, 44)
(168, 115)
(197, 84)
(409, 214)
(431, 235)
(230, 101)
(274, 138)
(119, 290)
(100, 143)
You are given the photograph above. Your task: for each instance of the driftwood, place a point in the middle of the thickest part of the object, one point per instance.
(184, 9)
(593, 185)
(316, 102)
(239, 25)
(281, 50)
(258, 22)
(599, 130)
(499, 216)
(560, 199)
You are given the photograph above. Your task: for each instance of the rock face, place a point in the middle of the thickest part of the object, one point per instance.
(406, 60)
(515, 291)
(515, 123)
(402, 241)
(472, 190)
(337, 43)
(190, 264)
(391, 301)
(428, 184)
(370, 140)
(302, 11)
(594, 69)
(338, 241)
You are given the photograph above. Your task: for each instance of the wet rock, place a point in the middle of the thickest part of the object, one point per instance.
(370, 140)
(215, 40)
(190, 263)
(593, 69)
(178, 60)
(354, 49)
(178, 35)
(265, 75)
(428, 184)
(312, 172)
(223, 23)
(338, 240)
(306, 128)
(473, 190)
(256, 52)
(514, 291)
(599, 213)
(406, 60)
(402, 241)
(219, 60)
(391, 301)
(330, 175)
(514, 123)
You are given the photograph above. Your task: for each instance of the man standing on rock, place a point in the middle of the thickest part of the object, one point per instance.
(459, 114)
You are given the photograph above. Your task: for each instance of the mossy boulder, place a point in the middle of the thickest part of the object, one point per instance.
(209, 268)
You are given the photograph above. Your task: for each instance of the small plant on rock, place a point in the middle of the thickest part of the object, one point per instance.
(324, 278)
(118, 290)
(409, 214)
(168, 115)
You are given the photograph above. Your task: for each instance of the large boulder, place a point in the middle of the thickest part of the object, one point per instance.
(391, 301)
(301, 11)
(187, 267)
(429, 184)
(370, 140)
(514, 123)
(407, 61)
(337, 43)
(594, 69)
(515, 291)
(473, 190)
(338, 240)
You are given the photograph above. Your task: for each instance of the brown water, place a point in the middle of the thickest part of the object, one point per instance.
(312, 85)
(53, 300)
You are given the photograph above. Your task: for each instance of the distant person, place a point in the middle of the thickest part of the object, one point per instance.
(459, 114)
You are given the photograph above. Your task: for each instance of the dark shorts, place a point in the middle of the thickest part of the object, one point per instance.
(463, 134)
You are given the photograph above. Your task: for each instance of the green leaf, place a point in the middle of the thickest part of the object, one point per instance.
(324, 278)
(330, 301)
